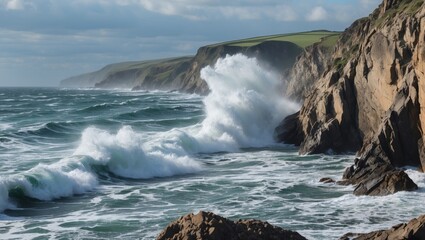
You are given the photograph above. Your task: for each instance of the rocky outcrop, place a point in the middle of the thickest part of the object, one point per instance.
(208, 226)
(370, 100)
(308, 67)
(414, 229)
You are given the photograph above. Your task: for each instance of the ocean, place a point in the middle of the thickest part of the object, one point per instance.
(102, 164)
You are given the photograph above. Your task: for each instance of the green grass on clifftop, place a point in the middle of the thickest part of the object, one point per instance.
(302, 39)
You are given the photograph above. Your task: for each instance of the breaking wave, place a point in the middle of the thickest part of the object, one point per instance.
(244, 106)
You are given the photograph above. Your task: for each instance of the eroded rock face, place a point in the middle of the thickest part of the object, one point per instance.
(414, 229)
(371, 100)
(275, 55)
(308, 67)
(209, 226)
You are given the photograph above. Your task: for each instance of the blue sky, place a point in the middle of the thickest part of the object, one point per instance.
(45, 41)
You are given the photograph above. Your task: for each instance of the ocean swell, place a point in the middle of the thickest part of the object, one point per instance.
(242, 109)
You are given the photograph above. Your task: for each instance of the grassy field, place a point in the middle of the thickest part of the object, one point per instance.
(302, 39)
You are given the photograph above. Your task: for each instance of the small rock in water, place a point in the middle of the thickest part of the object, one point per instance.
(326, 180)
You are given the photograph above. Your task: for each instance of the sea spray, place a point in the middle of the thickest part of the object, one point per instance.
(127, 154)
(244, 106)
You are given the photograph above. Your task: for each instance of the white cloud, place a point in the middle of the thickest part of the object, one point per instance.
(14, 5)
(318, 13)
(180, 8)
(242, 13)
(209, 9)
(283, 13)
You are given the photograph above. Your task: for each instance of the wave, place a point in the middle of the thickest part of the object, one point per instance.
(244, 105)
(126, 154)
(95, 108)
(51, 129)
(65, 178)
(153, 112)
(123, 155)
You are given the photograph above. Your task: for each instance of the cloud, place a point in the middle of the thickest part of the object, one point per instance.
(210, 10)
(76, 36)
(283, 13)
(14, 5)
(317, 14)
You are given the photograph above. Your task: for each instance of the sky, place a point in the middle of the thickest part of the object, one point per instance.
(45, 41)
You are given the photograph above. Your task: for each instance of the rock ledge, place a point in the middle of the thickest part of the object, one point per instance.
(209, 226)
(414, 229)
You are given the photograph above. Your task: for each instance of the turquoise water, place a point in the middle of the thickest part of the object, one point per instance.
(102, 164)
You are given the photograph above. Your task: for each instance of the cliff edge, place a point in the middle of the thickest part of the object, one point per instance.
(369, 100)
(275, 52)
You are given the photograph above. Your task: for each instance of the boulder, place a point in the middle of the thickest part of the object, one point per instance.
(327, 180)
(209, 226)
(414, 229)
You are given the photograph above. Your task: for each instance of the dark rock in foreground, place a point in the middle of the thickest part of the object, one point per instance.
(415, 229)
(209, 226)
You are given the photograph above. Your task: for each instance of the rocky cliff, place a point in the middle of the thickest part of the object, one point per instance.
(151, 74)
(276, 52)
(183, 74)
(276, 55)
(370, 100)
(308, 67)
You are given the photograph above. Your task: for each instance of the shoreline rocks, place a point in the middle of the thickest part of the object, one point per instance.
(414, 229)
(209, 226)
(370, 100)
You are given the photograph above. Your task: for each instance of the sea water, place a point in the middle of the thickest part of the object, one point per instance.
(101, 164)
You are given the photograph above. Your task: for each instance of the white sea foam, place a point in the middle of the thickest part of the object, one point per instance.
(65, 178)
(4, 197)
(243, 108)
(5, 126)
(126, 154)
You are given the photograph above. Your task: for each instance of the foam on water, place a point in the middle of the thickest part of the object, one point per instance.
(65, 178)
(126, 154)
(244, 106)
(242, 110)
(5, 126)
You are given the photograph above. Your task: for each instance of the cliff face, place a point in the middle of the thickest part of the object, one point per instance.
(90, 79)
(153, 74)
(183, 74)
(276, 55)
(370, 99)
(157, 74)
(308, 67)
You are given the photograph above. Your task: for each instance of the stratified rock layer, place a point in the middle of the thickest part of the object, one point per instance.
(414, 229)
(208, 226)
(370, 100)
(308, 67)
